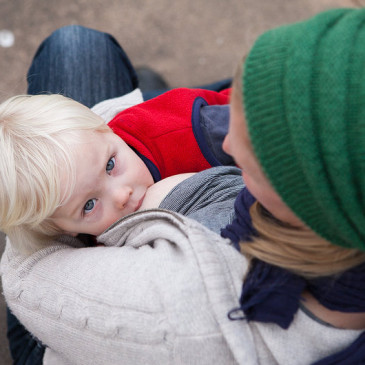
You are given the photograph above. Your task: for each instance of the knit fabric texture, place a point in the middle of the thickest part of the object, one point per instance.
(304, 96)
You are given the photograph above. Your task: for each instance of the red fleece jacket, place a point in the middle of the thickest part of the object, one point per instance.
(161, 129)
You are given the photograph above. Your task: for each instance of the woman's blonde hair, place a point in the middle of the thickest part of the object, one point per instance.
(36, 163)
(299, 250)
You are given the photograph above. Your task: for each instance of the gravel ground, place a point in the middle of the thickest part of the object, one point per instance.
(189, 42)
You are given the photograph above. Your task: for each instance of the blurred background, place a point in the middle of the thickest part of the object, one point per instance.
(189, 42)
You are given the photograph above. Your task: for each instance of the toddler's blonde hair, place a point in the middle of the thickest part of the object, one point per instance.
(36, 163)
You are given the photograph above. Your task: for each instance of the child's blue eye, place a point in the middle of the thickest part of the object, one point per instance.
(110, 165)
(89, 206)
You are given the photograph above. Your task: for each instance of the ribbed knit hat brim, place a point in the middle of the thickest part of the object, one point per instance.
(304, 95)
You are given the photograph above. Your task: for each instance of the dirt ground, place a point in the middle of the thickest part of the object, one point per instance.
(189, 42)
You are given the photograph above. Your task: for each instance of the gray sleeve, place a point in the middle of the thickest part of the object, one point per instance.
(207, 197)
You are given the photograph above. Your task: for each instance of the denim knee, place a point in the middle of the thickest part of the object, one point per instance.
(61, 38)
(82, 63)
(73, 34)
(68, 30)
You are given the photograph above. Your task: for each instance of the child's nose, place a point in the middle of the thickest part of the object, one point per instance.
(121, 196)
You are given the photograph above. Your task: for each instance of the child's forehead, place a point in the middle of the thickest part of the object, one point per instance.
(90, 145)
(89, 150)
(82, 137)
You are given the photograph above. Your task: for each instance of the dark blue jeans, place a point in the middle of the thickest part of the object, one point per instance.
(89, 66)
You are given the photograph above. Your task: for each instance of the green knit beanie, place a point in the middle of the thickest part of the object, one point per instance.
(304, 98)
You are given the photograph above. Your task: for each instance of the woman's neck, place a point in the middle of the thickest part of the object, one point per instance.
(355, 321)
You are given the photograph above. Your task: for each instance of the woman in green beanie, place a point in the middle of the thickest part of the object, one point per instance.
(297, 131)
